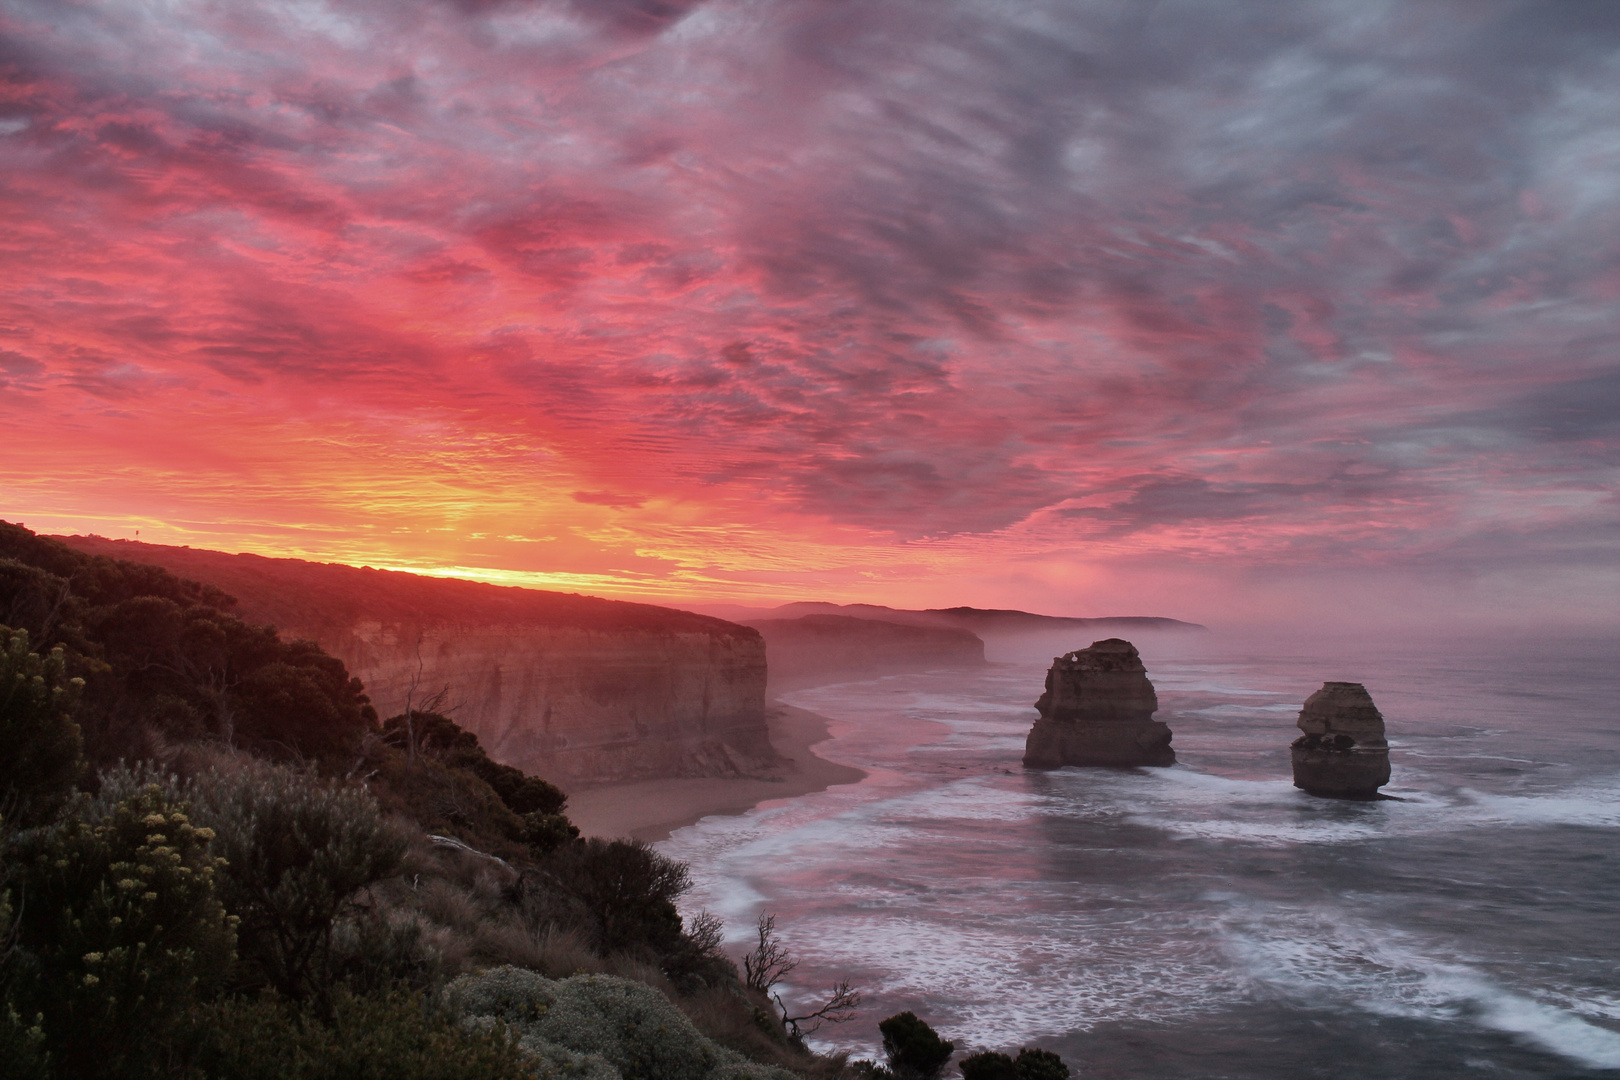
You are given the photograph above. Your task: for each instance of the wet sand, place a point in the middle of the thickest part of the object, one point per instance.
(652, 809)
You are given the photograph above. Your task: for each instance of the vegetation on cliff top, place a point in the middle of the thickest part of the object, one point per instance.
(216, 862)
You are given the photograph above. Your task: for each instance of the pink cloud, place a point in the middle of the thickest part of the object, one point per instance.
(650, 276)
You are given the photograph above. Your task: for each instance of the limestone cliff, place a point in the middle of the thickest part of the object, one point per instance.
(1343, 753)
(1098, 710)
(570, 687)
(981, 622)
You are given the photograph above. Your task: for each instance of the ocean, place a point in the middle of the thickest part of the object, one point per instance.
(1209, 919)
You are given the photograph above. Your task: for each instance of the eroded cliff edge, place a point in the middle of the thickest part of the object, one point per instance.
(574, 688)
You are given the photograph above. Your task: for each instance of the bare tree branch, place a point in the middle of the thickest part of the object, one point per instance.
(769, 962)
(705, 933)
(839, 1007)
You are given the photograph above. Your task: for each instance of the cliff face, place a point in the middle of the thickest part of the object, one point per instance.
(981, 622)
(1098, 710)
(569, 687)
(1343, 753)
(826, 648)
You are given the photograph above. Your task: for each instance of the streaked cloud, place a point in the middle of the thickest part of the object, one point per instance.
(707, 292)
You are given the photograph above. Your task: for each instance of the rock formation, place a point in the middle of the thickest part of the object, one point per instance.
(572, 688)
(819, 649)
(1098, 710)
(1342, 754)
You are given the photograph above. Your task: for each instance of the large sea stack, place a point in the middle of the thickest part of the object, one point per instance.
(1098, 710)
(1342, 754)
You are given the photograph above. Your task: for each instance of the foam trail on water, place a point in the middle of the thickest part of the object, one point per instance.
(1327, 957)
(1014, 907)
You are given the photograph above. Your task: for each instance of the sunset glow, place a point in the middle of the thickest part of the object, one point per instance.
(1204, 310)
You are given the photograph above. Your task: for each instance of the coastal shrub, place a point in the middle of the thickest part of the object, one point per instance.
(453, 784)
(394, 1036)
(382, 948)
(439, 736)
(628, 1025)
(42, 759)
(1031, 1064)
(913, 1049)
(543, 833)
(752, 1070)
(1036, 1064)
(626, 891)
(988, 1065)
(22, 1045)
(444, 800)
(22, 1039)
(121, 932)
(298, 850)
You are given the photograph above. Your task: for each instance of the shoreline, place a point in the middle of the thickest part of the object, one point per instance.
(652, 809)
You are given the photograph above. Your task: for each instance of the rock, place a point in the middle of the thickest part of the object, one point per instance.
(1098, 710)
(1342, 754)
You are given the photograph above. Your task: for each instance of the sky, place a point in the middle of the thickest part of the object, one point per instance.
(1212, 310)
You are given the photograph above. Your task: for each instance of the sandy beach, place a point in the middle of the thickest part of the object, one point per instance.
(651, 809)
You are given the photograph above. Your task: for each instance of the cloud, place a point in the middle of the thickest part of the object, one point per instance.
(607, 498)
(1263, 282)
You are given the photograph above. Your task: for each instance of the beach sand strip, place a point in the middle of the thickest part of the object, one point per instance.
(652, 809)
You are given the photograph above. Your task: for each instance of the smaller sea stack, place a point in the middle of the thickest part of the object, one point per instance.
(1098, 710)
(1342, 754)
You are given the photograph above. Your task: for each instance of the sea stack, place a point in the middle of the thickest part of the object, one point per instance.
(1342, 754)
(1098, 710)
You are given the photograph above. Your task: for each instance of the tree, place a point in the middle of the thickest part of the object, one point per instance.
(769, 962)
(839, 1007)
(914, 1050)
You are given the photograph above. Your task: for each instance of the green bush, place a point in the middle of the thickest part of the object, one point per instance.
(575, 1026)
(440, 737)
(544, 833)
(22, 1039)
(1035, 1064)
(119, 933)
(394, 1036)
(382, 948)
(22, 1045)
(453, 783)
(914, 1050)
(1031, 1064)
(298, 850)
(42, 747)
(626, 890)
(988, 1065)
